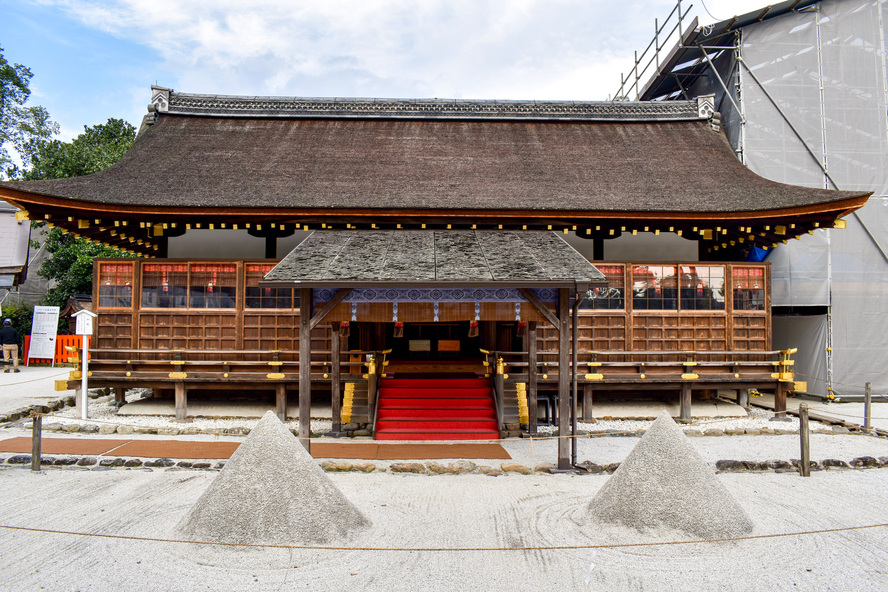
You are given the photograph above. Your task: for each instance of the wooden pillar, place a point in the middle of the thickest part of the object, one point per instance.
(587, 402)
(532, 377)
(119, 395)
(181, 401)
(280, 392)
(336, 378)
(563, 378)
(780, 400)
(488, 339)
(271, 247)
(743, 397)
(598, 249)
(306, 309)
(685, 412)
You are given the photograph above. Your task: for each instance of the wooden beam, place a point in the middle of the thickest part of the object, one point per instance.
(532, 377)
(328, 308)
(542, 308)
(305, 308)
(563, 378)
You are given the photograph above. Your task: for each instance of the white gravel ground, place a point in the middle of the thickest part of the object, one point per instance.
(519, 513)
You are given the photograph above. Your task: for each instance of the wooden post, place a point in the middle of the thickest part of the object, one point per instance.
(685, 404)
(868, 406)
(804, 438)
(587, 402)
(119, 395)
(181, 401)
(36, 441)
(574, 345)
(499, 389)
(563, 378)
(743, 397)
(780, 400)
(306, 309)
(532, 378)
(280, 392)
(336, 378)
(78, 400)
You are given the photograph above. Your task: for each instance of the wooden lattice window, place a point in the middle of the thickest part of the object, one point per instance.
(164, 285)
(654, 287)
(116, 285)
(263, 297)
(749, 288)
(702, 287)
(612, 297)
(213, 285)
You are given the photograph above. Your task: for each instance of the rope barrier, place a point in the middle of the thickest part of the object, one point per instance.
(36, 379)
(446, 549)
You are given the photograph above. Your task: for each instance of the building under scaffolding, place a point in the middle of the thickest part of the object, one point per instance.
(802, 90)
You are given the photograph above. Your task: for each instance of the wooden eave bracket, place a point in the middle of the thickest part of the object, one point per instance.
(540, 307)
(328, 308)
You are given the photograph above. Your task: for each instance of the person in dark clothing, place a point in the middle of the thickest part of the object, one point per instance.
(9, 339)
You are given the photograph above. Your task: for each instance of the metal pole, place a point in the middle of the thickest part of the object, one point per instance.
(36, 436)
(804, 440)
(868, 406)
(83, 372)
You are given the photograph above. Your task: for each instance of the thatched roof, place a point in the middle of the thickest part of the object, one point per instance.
(593, 157)
(274, 164)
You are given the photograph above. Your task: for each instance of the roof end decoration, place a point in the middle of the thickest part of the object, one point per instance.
(160, 103)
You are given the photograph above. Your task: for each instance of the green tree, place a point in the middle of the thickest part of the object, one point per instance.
(97, 148)
(22, 128)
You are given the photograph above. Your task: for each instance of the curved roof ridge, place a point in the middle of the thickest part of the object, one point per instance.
(169, 101)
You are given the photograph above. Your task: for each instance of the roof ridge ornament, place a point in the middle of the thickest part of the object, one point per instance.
(706, 110)
(160, 99)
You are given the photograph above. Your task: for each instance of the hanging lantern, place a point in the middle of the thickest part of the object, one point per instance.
(473, 328)
(344, 329)
(522, 328)
(399, 330)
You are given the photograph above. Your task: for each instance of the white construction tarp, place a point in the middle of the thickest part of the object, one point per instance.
(826, 70)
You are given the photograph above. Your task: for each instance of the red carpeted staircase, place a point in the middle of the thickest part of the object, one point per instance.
(436, 409)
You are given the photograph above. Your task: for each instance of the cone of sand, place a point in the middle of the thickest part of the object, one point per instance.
(272, 491)
(665, 483)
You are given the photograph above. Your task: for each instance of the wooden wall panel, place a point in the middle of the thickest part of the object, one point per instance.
(751, 333)
(114, 331)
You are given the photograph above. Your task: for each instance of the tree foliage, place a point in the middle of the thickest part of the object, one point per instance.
(22, 128)
(97, 148)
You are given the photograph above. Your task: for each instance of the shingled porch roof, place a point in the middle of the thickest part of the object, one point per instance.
(451, 258)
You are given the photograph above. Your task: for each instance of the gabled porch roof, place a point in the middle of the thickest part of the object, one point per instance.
(452, 258)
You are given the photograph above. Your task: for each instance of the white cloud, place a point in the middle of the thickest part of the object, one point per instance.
(511, 49)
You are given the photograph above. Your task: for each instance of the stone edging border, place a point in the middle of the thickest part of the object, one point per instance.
(434, 468)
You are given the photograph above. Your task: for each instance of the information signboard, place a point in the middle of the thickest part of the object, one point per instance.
(44, 328)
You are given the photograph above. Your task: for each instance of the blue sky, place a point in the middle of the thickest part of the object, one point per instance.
(95, 59)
